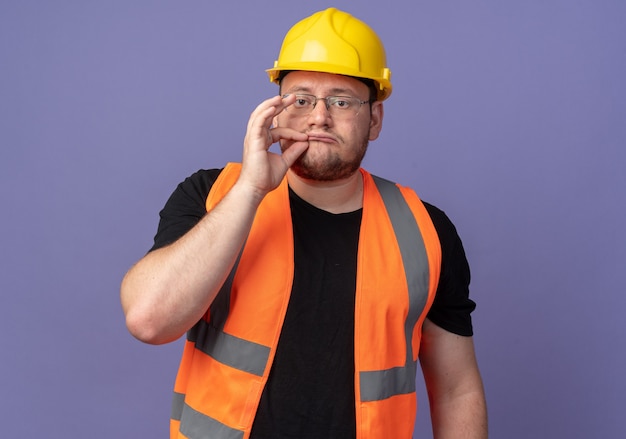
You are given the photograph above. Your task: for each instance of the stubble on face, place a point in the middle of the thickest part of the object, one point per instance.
(329, 165)
(341, 154)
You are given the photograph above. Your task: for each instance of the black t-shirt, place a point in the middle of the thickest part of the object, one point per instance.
(310, 391)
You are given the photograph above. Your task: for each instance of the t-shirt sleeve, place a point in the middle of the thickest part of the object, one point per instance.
(452, 307)
(184, 208)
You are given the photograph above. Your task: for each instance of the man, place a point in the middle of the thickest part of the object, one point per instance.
(306, 286)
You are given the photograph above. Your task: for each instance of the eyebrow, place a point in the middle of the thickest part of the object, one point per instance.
(332, 91)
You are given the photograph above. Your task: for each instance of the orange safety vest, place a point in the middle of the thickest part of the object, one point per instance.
(228, 354)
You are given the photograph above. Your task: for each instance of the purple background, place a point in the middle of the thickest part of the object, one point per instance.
(509, 115)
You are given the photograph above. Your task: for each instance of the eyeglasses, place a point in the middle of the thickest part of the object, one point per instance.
(339, 107)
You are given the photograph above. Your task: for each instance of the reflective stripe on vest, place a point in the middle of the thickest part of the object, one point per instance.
(195, 425)
(254, 358)
(382, 384)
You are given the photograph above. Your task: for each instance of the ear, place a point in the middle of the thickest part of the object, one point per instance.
(376, 119)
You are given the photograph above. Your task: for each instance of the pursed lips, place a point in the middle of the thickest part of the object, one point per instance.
(325, 138)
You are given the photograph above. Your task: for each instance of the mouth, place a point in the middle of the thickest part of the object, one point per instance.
(320, 137)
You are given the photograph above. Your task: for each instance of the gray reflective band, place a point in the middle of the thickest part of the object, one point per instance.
(229, 350)
(178, 401)
(382, 384)
(377, 385)
(195, 425)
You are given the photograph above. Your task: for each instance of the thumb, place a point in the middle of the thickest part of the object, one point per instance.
(295, 150)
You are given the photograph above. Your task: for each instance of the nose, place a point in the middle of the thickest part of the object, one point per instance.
(320, 114)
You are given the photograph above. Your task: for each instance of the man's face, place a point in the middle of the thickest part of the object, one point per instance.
(336, 145)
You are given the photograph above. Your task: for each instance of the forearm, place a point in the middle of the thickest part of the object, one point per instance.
(462, 416)
(169, 290)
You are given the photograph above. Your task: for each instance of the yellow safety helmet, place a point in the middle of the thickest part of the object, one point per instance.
(333, 41)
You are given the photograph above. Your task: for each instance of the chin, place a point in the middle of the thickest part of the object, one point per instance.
(328, 171)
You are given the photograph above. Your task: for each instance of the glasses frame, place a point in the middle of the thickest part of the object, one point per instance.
(327, 103)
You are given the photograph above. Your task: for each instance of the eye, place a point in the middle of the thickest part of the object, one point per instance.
(341, 103)
(302, 101)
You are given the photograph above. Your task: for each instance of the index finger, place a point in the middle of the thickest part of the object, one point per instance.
(268, 109)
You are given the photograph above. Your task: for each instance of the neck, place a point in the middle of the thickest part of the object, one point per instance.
(339, 196)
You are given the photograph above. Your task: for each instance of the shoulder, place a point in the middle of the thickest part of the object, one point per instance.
(185, 206)
(452, 251)
(199, 183)
(444, 226)
(193, 190)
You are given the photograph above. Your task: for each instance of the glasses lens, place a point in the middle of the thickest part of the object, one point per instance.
(339, 107)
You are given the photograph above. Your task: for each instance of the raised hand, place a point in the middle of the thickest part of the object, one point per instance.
(263, 170)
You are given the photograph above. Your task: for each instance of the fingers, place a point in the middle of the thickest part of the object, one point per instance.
(279, 133)
(291, 154)
(260, 133)
(263, 115)
(262, 168)
(296, 143)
